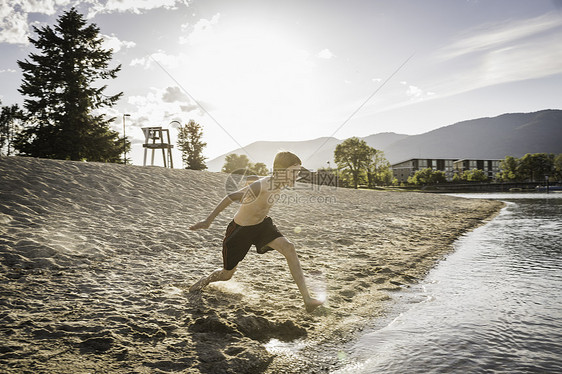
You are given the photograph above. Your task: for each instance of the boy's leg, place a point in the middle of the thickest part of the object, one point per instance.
(287, 249)
(234, 249)
(215, 276)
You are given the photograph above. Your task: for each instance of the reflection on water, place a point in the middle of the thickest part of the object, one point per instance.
(494, 305)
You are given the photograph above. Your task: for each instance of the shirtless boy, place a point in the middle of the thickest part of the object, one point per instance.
(251, 225)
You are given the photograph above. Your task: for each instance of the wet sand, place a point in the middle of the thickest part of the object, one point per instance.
(96, 261)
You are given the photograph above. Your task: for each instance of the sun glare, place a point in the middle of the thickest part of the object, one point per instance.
(251, 76)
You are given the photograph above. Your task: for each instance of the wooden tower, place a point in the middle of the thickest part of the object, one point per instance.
(151, 135)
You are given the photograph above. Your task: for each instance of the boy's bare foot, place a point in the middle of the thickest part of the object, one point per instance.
(312, 304)
(199, 285)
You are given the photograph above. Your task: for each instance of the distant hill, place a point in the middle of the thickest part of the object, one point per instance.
(315, 152)
(485, 138)
(512, 134)
(384, 139)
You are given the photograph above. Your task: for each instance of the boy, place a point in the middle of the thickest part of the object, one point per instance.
(251, 225)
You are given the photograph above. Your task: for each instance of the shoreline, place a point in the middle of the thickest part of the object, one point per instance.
(98, 260)
(325, 356)
(440, 318)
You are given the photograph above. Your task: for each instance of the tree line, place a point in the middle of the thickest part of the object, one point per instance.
(535, 167)
(532, 167)
(429, 176)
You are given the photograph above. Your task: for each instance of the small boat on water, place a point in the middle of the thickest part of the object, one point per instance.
(548, 189)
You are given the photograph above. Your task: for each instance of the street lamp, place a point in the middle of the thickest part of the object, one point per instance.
(125, 140)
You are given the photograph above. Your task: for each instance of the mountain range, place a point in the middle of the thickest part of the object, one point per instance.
(512, 134)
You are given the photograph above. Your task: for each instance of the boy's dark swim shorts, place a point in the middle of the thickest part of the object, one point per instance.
(238, 240)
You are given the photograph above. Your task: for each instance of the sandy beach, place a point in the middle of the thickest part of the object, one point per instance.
(96, 261)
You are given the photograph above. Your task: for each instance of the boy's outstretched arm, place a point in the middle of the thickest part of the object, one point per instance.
(226, 201)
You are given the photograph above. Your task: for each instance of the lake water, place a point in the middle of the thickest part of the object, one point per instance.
(493, 306)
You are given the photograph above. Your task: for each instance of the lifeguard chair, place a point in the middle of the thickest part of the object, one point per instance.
(151, 135)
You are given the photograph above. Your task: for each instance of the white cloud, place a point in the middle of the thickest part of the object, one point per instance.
(111, 41)
(417, 94)
(163, 59)
(133, 6)
(201, 30)
(414, 92)
(490, 37)
(48, 7)
(7, 71)
(159, 106)
(525, 61)
(191, 108)
(15, 26)
(143, 61)
(325, 54)
(174, 94)
(510, 52)
(496, 54)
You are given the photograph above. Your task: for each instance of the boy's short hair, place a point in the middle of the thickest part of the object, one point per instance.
(285, 159)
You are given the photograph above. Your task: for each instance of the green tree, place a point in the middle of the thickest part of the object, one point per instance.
(386, 177)
(427, 176)
(64, 120)
(240, 164)
(352, 156)
(474, 175)
(557, 175)
(534, 167)
(10, 123)
(509, 169)
(258, 168)
(191, 146)
(378, 169)
(234, 162)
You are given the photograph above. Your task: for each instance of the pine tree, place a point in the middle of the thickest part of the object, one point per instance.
(191, 146)
(62, 122)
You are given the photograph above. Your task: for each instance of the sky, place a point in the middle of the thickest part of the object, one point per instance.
(290, 70)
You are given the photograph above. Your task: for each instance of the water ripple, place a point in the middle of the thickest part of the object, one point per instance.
(493, 306)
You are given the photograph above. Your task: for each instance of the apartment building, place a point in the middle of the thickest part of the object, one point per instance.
(450, 167)
(408, 168)
(491, 167)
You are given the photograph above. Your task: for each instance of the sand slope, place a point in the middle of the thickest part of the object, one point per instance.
(96, 260)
